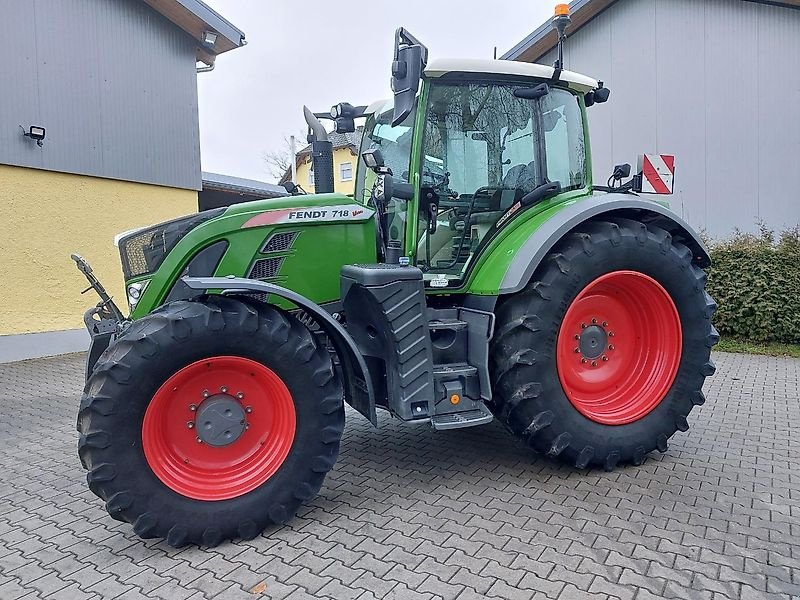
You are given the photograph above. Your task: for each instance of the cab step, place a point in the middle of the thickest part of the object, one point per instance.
(454, 370)
(453, 324)
(467, 418)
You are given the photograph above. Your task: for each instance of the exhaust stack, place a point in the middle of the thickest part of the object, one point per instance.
(321, 153)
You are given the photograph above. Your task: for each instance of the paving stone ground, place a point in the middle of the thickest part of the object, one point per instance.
(411, 513)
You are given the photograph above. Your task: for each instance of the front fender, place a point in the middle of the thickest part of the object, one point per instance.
(535, 239)
(358, 386)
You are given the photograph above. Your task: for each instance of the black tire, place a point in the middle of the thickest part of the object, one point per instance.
(528, 395)
(133, 368)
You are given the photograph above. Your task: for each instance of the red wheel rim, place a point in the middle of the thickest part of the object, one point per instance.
(619, 347)
(203, 471)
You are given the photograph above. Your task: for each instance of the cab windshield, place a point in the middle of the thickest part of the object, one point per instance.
(395, 146)
(484, 148)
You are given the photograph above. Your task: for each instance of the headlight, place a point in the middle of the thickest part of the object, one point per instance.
(135, 291)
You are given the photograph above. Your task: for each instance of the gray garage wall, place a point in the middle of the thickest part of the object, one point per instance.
(112, 81)
(715, 82)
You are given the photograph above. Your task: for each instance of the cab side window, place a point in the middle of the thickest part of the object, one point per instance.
(564, 142)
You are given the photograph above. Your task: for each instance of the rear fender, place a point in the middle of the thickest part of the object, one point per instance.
(543, 239)
(358, 387)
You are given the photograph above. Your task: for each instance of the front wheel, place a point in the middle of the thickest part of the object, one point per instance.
(209, 420)
(602, 357)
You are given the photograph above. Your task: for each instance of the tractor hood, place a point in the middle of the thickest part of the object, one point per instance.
(311, 208)
(299, 242)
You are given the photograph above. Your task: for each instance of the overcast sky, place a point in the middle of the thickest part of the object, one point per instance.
(320, 53)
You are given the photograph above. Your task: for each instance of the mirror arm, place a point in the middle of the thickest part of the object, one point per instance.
(403, 191)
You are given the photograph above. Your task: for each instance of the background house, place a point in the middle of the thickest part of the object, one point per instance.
(345, 158)
(714, 82)
(114, 84)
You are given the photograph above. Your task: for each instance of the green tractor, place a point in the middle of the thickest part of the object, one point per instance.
(477, 274)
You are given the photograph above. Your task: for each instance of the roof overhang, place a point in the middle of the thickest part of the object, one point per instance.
(238, 185)
(544, 39)
(195, 18)
(444, 66)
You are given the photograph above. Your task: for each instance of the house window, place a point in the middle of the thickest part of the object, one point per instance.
(311, 176)
(346, 171)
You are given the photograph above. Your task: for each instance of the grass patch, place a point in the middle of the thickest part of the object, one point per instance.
(728, 344)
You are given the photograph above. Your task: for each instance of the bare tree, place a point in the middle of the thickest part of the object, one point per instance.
(279, 161)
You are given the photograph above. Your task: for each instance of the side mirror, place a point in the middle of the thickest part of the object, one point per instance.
(621, 171)
(410, 58)
(601, 94)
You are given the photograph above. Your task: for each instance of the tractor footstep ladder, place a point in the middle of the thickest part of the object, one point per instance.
(427, 363)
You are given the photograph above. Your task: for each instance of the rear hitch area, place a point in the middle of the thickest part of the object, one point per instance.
(104, 320)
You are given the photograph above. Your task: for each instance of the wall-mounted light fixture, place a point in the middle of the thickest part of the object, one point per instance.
(209, 39)
(35, 133)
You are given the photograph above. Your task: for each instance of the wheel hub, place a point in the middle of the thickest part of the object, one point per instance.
(220, 420)
(593, 341)
(219, 428)
(619, 347)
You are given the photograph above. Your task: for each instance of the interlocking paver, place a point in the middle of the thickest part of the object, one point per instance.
(411, 513)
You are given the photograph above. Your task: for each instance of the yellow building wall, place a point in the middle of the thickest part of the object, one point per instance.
(340, 155)
(46, 216)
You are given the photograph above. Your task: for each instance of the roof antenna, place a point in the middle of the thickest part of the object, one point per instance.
(560, 22)
(495, 53)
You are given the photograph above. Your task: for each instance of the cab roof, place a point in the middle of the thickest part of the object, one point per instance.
(444, 66)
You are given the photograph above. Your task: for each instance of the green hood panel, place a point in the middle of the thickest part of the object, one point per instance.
(326, 231)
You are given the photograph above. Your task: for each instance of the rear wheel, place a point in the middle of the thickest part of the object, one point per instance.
(602, 357)
(210, 420)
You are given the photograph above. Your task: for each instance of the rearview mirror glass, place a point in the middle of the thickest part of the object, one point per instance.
(601, 95)
(410, 58)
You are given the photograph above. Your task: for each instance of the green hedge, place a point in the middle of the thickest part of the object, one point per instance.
(755, 280)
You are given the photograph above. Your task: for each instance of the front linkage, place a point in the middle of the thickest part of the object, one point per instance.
(104, 320)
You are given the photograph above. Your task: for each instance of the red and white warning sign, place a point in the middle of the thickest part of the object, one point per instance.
(658, 173)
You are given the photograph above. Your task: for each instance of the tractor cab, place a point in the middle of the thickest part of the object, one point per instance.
(480, 142)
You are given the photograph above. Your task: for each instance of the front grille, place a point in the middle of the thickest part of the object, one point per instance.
(265, 268)
(142, 252)
(280, 242)
(137, 253)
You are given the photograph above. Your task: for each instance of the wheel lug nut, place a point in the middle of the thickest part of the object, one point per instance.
(193, 407)
(206, 394)
(611, 346)
(249, 409)
(605, 358)
(190, 425)
(594, 363)
(610, 334)
(577, 350)
(223, 389)
(583, 360)
(577, 337)
(199, 441)
(583, 325)
(594, 321)
(605, 323)
(240, 395)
